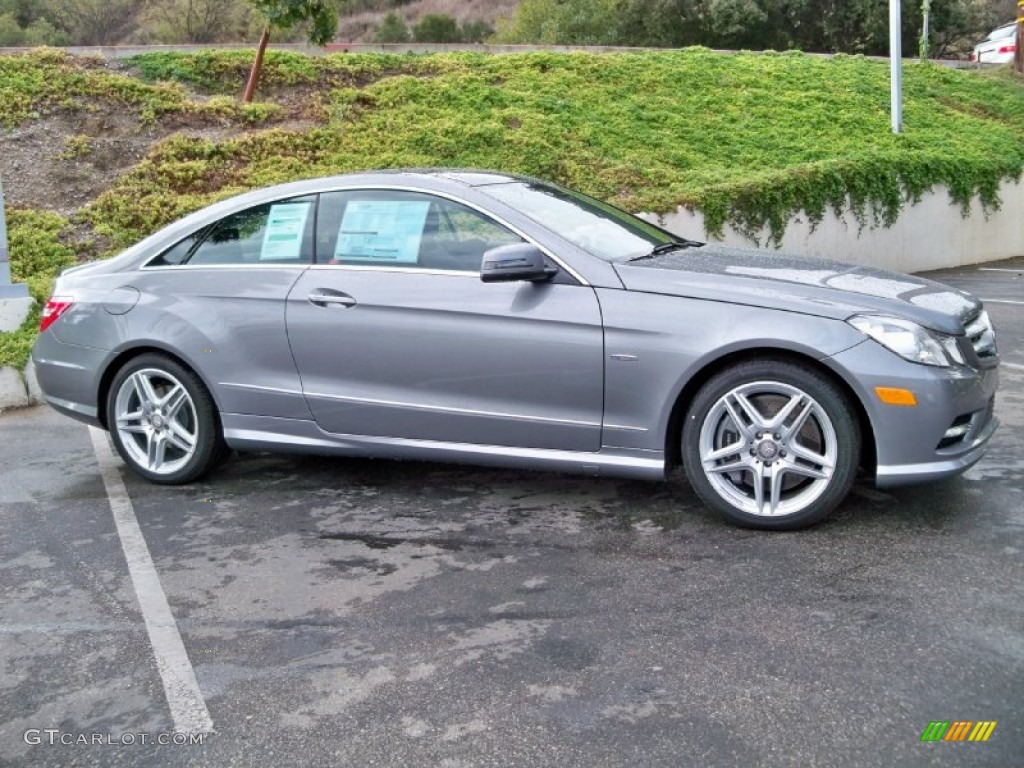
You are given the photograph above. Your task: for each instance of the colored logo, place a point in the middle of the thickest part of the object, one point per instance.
(958, 730)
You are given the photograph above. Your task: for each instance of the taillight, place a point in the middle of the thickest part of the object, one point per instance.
(55, 307)
(1007, 48)
(974, 56)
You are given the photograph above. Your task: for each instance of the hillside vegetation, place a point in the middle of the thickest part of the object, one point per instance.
(748, 139)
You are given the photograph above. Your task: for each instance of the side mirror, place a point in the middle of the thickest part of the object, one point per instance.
(519, 261)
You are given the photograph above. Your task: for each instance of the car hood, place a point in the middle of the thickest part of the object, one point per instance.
(798, 284)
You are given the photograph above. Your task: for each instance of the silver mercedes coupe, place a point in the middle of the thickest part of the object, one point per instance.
(480, 317)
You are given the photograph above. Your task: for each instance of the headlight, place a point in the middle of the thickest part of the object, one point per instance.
(909, 340)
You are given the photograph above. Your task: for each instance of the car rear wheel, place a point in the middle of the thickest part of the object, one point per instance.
(163, 421)
(771, 444)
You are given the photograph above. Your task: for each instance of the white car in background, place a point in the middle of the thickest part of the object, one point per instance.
(998, 47)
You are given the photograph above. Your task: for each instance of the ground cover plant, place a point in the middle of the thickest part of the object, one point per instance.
(49, 78)
(748, 139)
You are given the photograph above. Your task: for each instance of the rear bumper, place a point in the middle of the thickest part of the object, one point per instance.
(78, 411)
(68, 377)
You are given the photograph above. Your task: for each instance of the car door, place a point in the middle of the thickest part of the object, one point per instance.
(395, 336)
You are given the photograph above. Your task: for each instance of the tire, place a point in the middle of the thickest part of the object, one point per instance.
(779, 421)
(163, 421)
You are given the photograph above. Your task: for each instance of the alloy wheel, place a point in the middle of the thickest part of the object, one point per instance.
(768, 448)
(155, 419)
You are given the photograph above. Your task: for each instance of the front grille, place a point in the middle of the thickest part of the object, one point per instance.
(982, 336)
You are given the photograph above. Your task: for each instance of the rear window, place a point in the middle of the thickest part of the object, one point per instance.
(1003, 33)
(273, 233)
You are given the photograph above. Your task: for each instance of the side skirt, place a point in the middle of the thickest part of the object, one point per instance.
(266, 433)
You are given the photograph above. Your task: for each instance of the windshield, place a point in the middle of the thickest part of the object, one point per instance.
(594, 226)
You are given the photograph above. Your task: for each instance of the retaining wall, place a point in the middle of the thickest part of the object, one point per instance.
(933, 234)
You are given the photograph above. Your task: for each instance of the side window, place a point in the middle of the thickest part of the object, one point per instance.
(406, 229)
(176, 254)
(274, 233)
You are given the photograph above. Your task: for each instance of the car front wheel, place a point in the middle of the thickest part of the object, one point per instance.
(163, 421)
(771, 444)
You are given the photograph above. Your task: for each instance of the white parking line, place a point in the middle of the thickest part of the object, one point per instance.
(1002, 301)
(1001, 269)
(1015, 366)
(188, 709)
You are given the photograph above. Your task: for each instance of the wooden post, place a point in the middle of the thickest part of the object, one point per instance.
(1018, 55)
(257, 65)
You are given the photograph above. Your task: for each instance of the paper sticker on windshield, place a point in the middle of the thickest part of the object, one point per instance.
(382, 231)
(286, 224)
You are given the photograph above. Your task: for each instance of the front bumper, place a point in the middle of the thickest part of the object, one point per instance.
(887, 476)
(910, 441)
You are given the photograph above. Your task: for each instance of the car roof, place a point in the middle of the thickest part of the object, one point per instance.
(475, 178)
(425, 178)
(470, 177)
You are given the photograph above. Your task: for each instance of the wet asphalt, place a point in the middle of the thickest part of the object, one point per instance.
(377, 613)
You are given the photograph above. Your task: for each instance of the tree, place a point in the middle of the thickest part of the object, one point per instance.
(42, 32)
(739, 24)
(436, 28)
(392, 30)
(564, 22)
(321, 16)
(475, 31)
(849, 26)
(93, 22)
(24, 11)
(194, 21)
(11, 34)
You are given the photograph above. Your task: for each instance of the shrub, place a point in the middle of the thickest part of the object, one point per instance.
(475, 31)
(437, 28)
(11, 34)
(392, 30)
(38, 252)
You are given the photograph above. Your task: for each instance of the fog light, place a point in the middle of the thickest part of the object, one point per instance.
(957, 431)
(894, 396)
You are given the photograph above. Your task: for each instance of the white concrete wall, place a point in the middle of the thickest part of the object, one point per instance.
(930, 235)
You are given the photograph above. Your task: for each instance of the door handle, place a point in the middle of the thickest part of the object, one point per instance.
(322, 298)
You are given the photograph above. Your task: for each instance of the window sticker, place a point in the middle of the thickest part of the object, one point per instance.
(286, 225)
(382, 231)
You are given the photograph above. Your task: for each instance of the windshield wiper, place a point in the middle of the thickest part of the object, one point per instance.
(672, 245)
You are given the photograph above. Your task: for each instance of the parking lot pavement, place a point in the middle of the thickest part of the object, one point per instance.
(353, 612)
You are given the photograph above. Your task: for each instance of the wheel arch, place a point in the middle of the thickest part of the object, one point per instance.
(673, 447)
(123, 356)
